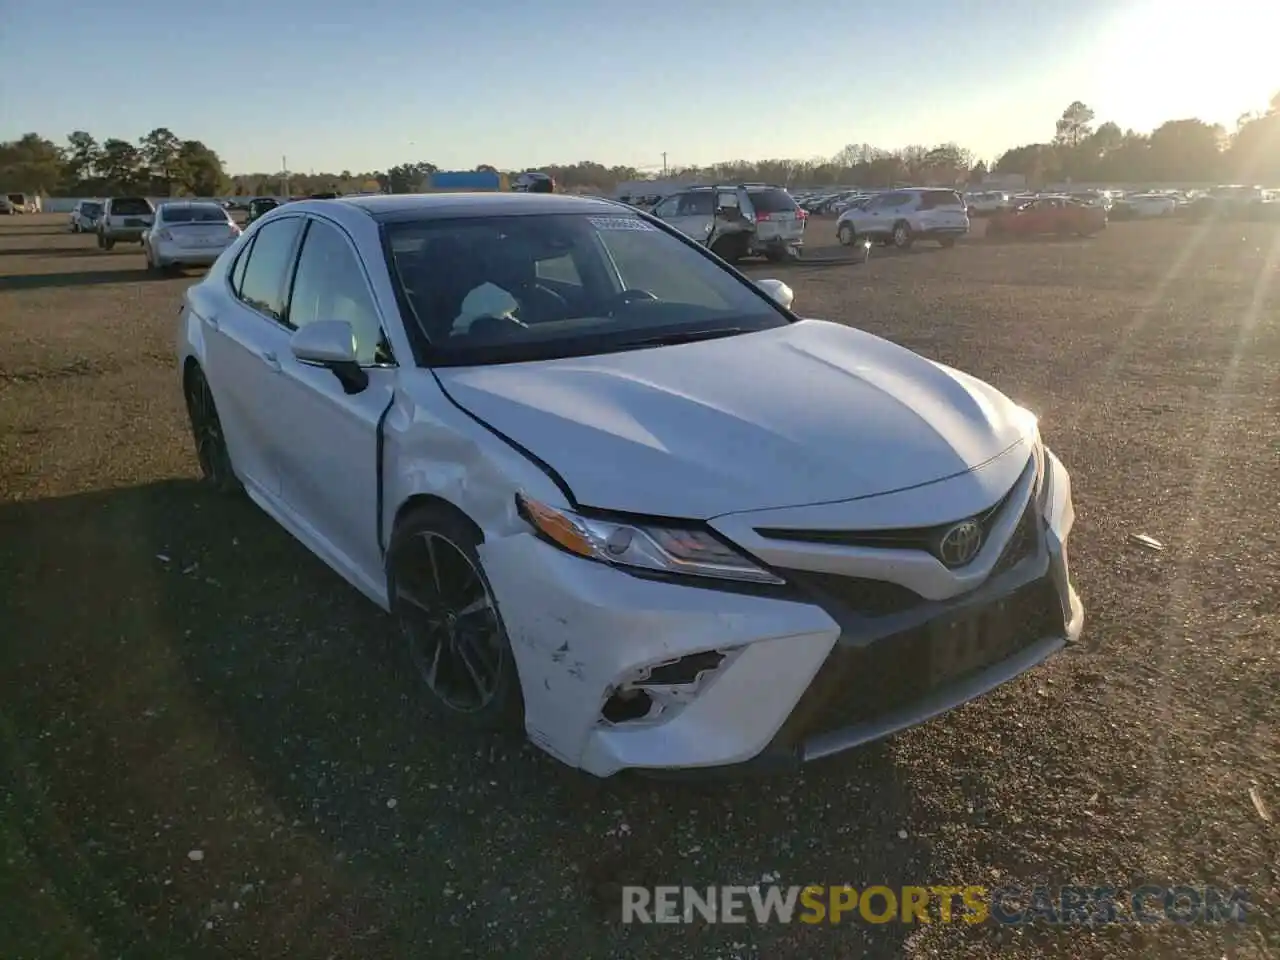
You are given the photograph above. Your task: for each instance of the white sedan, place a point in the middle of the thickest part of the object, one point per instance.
(188, 233)
(613, 491)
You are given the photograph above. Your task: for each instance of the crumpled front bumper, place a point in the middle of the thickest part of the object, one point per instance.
(795, 677)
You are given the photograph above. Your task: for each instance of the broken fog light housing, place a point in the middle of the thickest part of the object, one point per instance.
(657, 548)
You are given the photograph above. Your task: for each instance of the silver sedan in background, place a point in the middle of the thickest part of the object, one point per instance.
(188, 233)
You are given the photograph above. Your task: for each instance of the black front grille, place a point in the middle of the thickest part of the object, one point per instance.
(857, 684)
(869, 598)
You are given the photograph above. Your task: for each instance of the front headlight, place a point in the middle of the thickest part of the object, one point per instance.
(653, 547)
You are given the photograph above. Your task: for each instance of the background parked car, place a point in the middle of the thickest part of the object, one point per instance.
(6, 207)
(188, 233)
(124, 220)
(738, 221)
(901, 217)
(984, 203)
(1060, 215)
(84, 216)
(260, 205)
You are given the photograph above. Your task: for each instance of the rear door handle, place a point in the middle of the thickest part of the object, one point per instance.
(270, 359)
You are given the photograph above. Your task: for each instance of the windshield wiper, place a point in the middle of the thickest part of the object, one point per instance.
(683, 336)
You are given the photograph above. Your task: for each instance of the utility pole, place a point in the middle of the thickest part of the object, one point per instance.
(664, 163)
(284, 176)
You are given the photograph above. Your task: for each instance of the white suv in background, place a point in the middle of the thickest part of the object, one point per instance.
(901, 217)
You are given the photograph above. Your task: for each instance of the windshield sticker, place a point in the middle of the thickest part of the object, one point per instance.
(620, 223)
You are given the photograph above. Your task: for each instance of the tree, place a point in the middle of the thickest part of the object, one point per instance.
(1038, 162)
(198, 169)
(119, 166)
(159, 155)
(1254, 156)
(1184, 150)
(30, 164)
(978, 172)
(946, 163)
(83, 156)
(1074, 126)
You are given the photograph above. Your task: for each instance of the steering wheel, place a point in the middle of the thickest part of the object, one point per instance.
(491, 327)
(633, 295)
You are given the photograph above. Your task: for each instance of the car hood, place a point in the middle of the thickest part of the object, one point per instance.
(807, 413)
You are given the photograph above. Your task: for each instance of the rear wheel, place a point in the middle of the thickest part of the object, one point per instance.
(731, 248)
(902, 238)
(449, 622)
(107, 243)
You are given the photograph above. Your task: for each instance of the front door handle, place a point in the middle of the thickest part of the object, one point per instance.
(270, 359)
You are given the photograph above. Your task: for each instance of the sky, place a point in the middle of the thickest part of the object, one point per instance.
(336, 85)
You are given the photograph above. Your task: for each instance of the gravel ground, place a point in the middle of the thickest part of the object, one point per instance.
(208, 752)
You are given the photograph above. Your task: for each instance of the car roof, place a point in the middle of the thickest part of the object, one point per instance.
(440, 206)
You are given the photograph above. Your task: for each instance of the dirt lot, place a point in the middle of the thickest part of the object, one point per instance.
(208, 752)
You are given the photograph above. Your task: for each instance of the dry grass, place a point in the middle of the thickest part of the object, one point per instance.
(179, 675)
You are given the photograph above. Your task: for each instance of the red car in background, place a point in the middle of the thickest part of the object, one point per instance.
(1060, 215)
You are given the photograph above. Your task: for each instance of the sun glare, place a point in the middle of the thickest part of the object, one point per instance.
(1173, 59)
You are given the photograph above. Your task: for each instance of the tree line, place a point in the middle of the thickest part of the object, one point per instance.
(163, 164)
(1187, 150)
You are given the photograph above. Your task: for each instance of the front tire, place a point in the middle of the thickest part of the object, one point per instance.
(449, 622)
(206, 431)
(902, 238)
(847, 235)
(946, 242)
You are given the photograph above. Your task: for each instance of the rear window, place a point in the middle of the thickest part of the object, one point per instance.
(932, 199)
(17, 198)
(772, 201)
(203, 214)
(131, 207)
(91, 209)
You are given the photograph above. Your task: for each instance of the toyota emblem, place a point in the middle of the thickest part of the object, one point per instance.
(960, 544)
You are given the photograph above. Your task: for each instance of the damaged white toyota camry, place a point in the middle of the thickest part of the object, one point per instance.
(613, 490)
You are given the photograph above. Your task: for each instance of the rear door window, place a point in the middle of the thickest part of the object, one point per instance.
(262, 284)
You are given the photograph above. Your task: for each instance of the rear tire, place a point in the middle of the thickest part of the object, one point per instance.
(107, 243)
(902, 238)
(730, 249)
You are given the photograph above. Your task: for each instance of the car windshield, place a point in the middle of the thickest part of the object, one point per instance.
(205, 213)
(131, 207)
(505, 289)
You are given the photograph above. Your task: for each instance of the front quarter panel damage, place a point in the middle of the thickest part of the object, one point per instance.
(577, 628)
